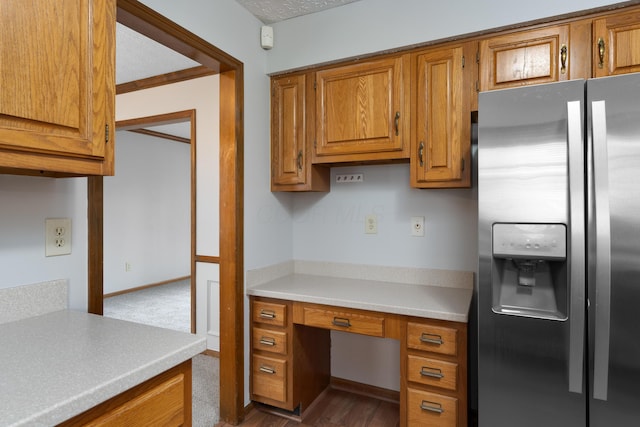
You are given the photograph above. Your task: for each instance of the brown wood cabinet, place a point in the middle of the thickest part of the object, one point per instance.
(442, 82)
(292, 130)
(434, 385)
(57, 72)
(616, 44)
(362, 111)
(163, 400)
(542, 55)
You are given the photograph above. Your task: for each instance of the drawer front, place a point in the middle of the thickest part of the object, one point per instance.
(344, 320)
(436, 339)
(432, 372)
(429, 409)
(268, 340)
(269, 378)
(269, 313)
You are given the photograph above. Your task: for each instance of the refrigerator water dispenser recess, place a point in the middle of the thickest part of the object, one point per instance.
(529, 270)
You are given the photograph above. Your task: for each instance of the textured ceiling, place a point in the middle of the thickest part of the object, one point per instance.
(270, 11)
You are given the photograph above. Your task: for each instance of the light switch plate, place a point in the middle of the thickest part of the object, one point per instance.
(417, 226)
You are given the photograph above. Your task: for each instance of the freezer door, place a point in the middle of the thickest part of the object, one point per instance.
(613, 105)
(525, 363)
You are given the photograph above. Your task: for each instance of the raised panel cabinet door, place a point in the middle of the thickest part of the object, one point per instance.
(361, 111)
(441, 141)
(525, 58)
(57, 81)
(288, 130)
(616, 48)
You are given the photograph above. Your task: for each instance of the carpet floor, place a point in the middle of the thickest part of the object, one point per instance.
(169, 306)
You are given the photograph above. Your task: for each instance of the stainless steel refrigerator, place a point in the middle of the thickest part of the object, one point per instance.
(559, 254)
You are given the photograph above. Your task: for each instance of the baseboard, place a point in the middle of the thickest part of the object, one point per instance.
(139, 288)
(365, 389)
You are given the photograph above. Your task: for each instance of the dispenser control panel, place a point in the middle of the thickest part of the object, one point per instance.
(533, 241)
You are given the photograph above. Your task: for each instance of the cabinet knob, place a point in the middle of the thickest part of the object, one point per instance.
(421, 153)
(601, 52)
(431, 339)
(267, 314)
(300, 160)
(431, 406)
(563, 59)
(397, 122)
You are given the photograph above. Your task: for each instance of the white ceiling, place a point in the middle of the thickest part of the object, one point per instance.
(138, 57)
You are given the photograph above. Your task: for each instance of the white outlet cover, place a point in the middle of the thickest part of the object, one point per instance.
(57, 236)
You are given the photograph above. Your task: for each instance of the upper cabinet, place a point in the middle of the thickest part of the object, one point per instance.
(362, 111)
(57, 74)
(291, 132)
(442, 81)
(543, 55)
(616, 44)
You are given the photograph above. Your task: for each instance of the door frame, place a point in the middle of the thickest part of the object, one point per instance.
(146, 21)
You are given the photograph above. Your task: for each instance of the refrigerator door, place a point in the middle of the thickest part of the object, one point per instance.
(525, 362)
(613, 105)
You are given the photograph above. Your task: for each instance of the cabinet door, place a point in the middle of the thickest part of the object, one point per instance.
(57, 79)
(441, 134)
(616, 47)
(291, 122)
(525, 58)
(361, 111)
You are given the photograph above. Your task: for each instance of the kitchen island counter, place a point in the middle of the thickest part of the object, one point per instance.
(58, 365)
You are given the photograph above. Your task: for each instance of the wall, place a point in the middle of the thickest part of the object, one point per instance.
(147, 212)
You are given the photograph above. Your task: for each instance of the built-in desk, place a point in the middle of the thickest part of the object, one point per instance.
(291, 320)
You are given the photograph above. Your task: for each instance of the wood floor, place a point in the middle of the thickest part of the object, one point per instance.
(336, 408)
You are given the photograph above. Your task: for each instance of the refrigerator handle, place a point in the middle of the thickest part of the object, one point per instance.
(603, 251)
(577, 245)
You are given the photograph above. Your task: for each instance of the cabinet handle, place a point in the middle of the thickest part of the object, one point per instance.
(267, 370)
(421, 153)
(267, 314)
(267, 341)
(563, 59)
(300, 160)
(600, 52)
(397, 122)
(342, 322)
(431, 406)
(431, 372)
(425, 338)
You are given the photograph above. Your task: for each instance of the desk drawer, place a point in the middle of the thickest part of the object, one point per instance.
(432, 372)
(344, 320)
(269, 378)
(431, 410)
(269, 313)
(268, 340)
(436, 339)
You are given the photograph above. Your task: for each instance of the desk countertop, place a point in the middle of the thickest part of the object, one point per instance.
(434, 302)
(55, 366)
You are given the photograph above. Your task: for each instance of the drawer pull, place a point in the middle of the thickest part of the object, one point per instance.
(431, 338)
(431, 406)
(431, 372)
(267, 370)
(268, 341)
(342, 322)
(267, 314)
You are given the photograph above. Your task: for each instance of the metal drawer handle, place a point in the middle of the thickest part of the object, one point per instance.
(267, 370)
(437, 339)
(431, 406)
(431, 372)
(267, 314)
(268, 341)
(342, 322)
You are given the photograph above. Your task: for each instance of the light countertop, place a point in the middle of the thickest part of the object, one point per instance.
(55, 366)
(421, 300)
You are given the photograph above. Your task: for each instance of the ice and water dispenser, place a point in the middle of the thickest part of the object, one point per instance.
(529, 270)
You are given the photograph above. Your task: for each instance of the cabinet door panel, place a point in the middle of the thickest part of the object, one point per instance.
(360, 111)
(57, 80)
(616, 46)
(523, 58)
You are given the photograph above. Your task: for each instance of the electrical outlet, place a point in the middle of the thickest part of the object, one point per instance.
(57, 236)
(371, 224)
(417, 226)
(350, 177)
(127, 266)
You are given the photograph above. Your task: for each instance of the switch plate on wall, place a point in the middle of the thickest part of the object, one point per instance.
(417, 226)
(371, 224)
(57, 236)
